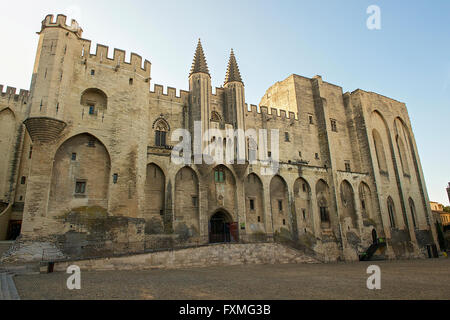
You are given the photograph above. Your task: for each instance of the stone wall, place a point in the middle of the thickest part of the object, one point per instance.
(214, 255)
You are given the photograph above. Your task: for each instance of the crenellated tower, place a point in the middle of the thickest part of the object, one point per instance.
(45, 122)
(200, 92)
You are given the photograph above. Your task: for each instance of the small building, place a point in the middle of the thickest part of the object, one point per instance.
(440, 216)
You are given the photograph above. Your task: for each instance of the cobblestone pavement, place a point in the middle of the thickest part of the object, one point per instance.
(422, 279)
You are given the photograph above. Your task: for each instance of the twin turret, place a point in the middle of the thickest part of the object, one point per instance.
(202, 108)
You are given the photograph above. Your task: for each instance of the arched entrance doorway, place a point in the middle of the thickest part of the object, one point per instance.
(220, 226)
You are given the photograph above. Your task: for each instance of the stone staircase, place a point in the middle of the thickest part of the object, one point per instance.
(199, 257)
(8, 289)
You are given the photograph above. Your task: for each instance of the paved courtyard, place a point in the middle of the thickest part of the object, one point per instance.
(424, 279)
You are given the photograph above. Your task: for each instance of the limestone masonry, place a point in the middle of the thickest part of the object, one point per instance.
(85, 161)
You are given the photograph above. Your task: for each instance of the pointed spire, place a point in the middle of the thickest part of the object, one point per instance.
(199, 64)
(233, 73)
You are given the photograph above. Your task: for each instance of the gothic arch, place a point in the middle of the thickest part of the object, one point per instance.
(187, 202)
(412, 158)
(279, 201)
(380, 152)
(222, 189)
(403, 156)
(94, 97)
(391, 213)
(215, 116)
(154, 190)
(161, 123)
(254, 202)
(412, 209)
(161, 130)
(348, 203)
(323, 203)
(365, 196)
(80, 174)
(303, 207)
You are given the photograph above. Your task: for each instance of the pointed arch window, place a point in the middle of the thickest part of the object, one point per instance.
(215, 116)
(161, 130)
(391, 210)
(413, 212)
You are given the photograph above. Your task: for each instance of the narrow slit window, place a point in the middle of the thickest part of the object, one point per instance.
(252, 204)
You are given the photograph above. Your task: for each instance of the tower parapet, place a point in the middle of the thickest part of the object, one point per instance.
(136, 63)
(11, 93)
(61, 19)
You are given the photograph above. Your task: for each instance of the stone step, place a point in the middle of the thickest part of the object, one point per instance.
(8, 289)
(24, 269)
(12, 287)
(4, 287)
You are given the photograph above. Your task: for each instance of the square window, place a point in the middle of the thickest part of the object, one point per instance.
(317, 156)
(92, 110)
(74, 156)
(194, 201)
(91, 143)
(347, 167)
(92, 72)
(80, 187)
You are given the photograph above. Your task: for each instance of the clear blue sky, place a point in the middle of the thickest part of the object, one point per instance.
(408, 59)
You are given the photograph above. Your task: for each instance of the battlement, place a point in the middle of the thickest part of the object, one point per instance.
(60, 21)
(281, 114)
(170, 95)
(360, 91)
(117, 62)
(11, 93)
(219, 92)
